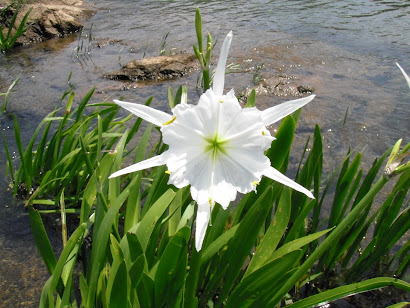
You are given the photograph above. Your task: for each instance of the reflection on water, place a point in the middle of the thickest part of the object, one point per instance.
(345, 50)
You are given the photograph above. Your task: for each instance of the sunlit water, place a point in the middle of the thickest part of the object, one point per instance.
(345, 50)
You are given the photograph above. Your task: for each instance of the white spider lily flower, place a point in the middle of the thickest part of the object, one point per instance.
(216, 146)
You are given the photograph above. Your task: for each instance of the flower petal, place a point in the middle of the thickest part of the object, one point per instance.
(279, 177)
(148, 163)
(219, 78)
(244, 168)
(404, 74)
(276, 113)
(199, 172)
(147, 113)
(202, 219)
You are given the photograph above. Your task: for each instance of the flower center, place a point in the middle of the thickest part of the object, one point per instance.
(215, 145)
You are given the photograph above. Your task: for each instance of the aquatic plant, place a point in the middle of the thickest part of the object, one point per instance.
(8, 40)
(261, 252)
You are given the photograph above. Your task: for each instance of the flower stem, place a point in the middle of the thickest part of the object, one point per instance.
(207, 81)
(329, 241)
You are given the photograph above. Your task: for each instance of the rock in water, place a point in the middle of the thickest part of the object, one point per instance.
(156, 68)
(48, 18)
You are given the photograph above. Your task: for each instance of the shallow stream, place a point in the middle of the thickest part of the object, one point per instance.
(345, 50)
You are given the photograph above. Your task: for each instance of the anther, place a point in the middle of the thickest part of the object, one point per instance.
(170, 121)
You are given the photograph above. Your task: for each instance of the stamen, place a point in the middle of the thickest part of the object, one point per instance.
(168, 172)
(254, 183)
(170, 121)
(263, 133)
(221, 101)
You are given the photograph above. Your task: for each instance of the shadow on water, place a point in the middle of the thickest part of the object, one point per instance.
(345, 51)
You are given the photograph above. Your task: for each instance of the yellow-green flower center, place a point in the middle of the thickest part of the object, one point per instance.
(215, 145)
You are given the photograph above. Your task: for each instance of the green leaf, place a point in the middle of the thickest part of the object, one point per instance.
(9, 161)
(41, 239)
(152, 217)
(145, 291)
(73, 241)
(218, 220)
(274, 233)
(351, 289)
(171, 271)
(342, 189)
(171, 100)
(136, 270)
(118, 296)
(131, 247)
(400, 305)
(100, 240)
(26, 166)
(243, 241)
(187, 216)
(175, 209)
(280, 147)
(90, 192)
(7, 94)
(333, 237)
(83, 103)
(251, 102)
(297, 244)
(217, 244)
(198, 28)
(261, 280)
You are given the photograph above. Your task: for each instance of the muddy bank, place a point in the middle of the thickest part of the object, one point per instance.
(47, 19)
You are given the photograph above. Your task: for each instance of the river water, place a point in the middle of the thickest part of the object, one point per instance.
(345, 50)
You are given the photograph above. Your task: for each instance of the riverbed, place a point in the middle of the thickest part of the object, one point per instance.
(345, 50)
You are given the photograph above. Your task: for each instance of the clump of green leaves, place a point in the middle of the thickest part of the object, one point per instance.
(256, 254)
(65, 149)
(9, 36)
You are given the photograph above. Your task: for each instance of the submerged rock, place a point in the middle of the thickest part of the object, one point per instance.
(156, 68)
(47, 19)
(282, 86)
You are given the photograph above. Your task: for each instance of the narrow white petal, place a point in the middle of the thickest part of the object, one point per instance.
(404, 74)
(276, 113)
(202, 220)
(219, 78)
(145, 164)
(279, 177)
(147, 113)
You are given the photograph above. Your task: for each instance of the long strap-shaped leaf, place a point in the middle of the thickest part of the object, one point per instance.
(351, 289)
